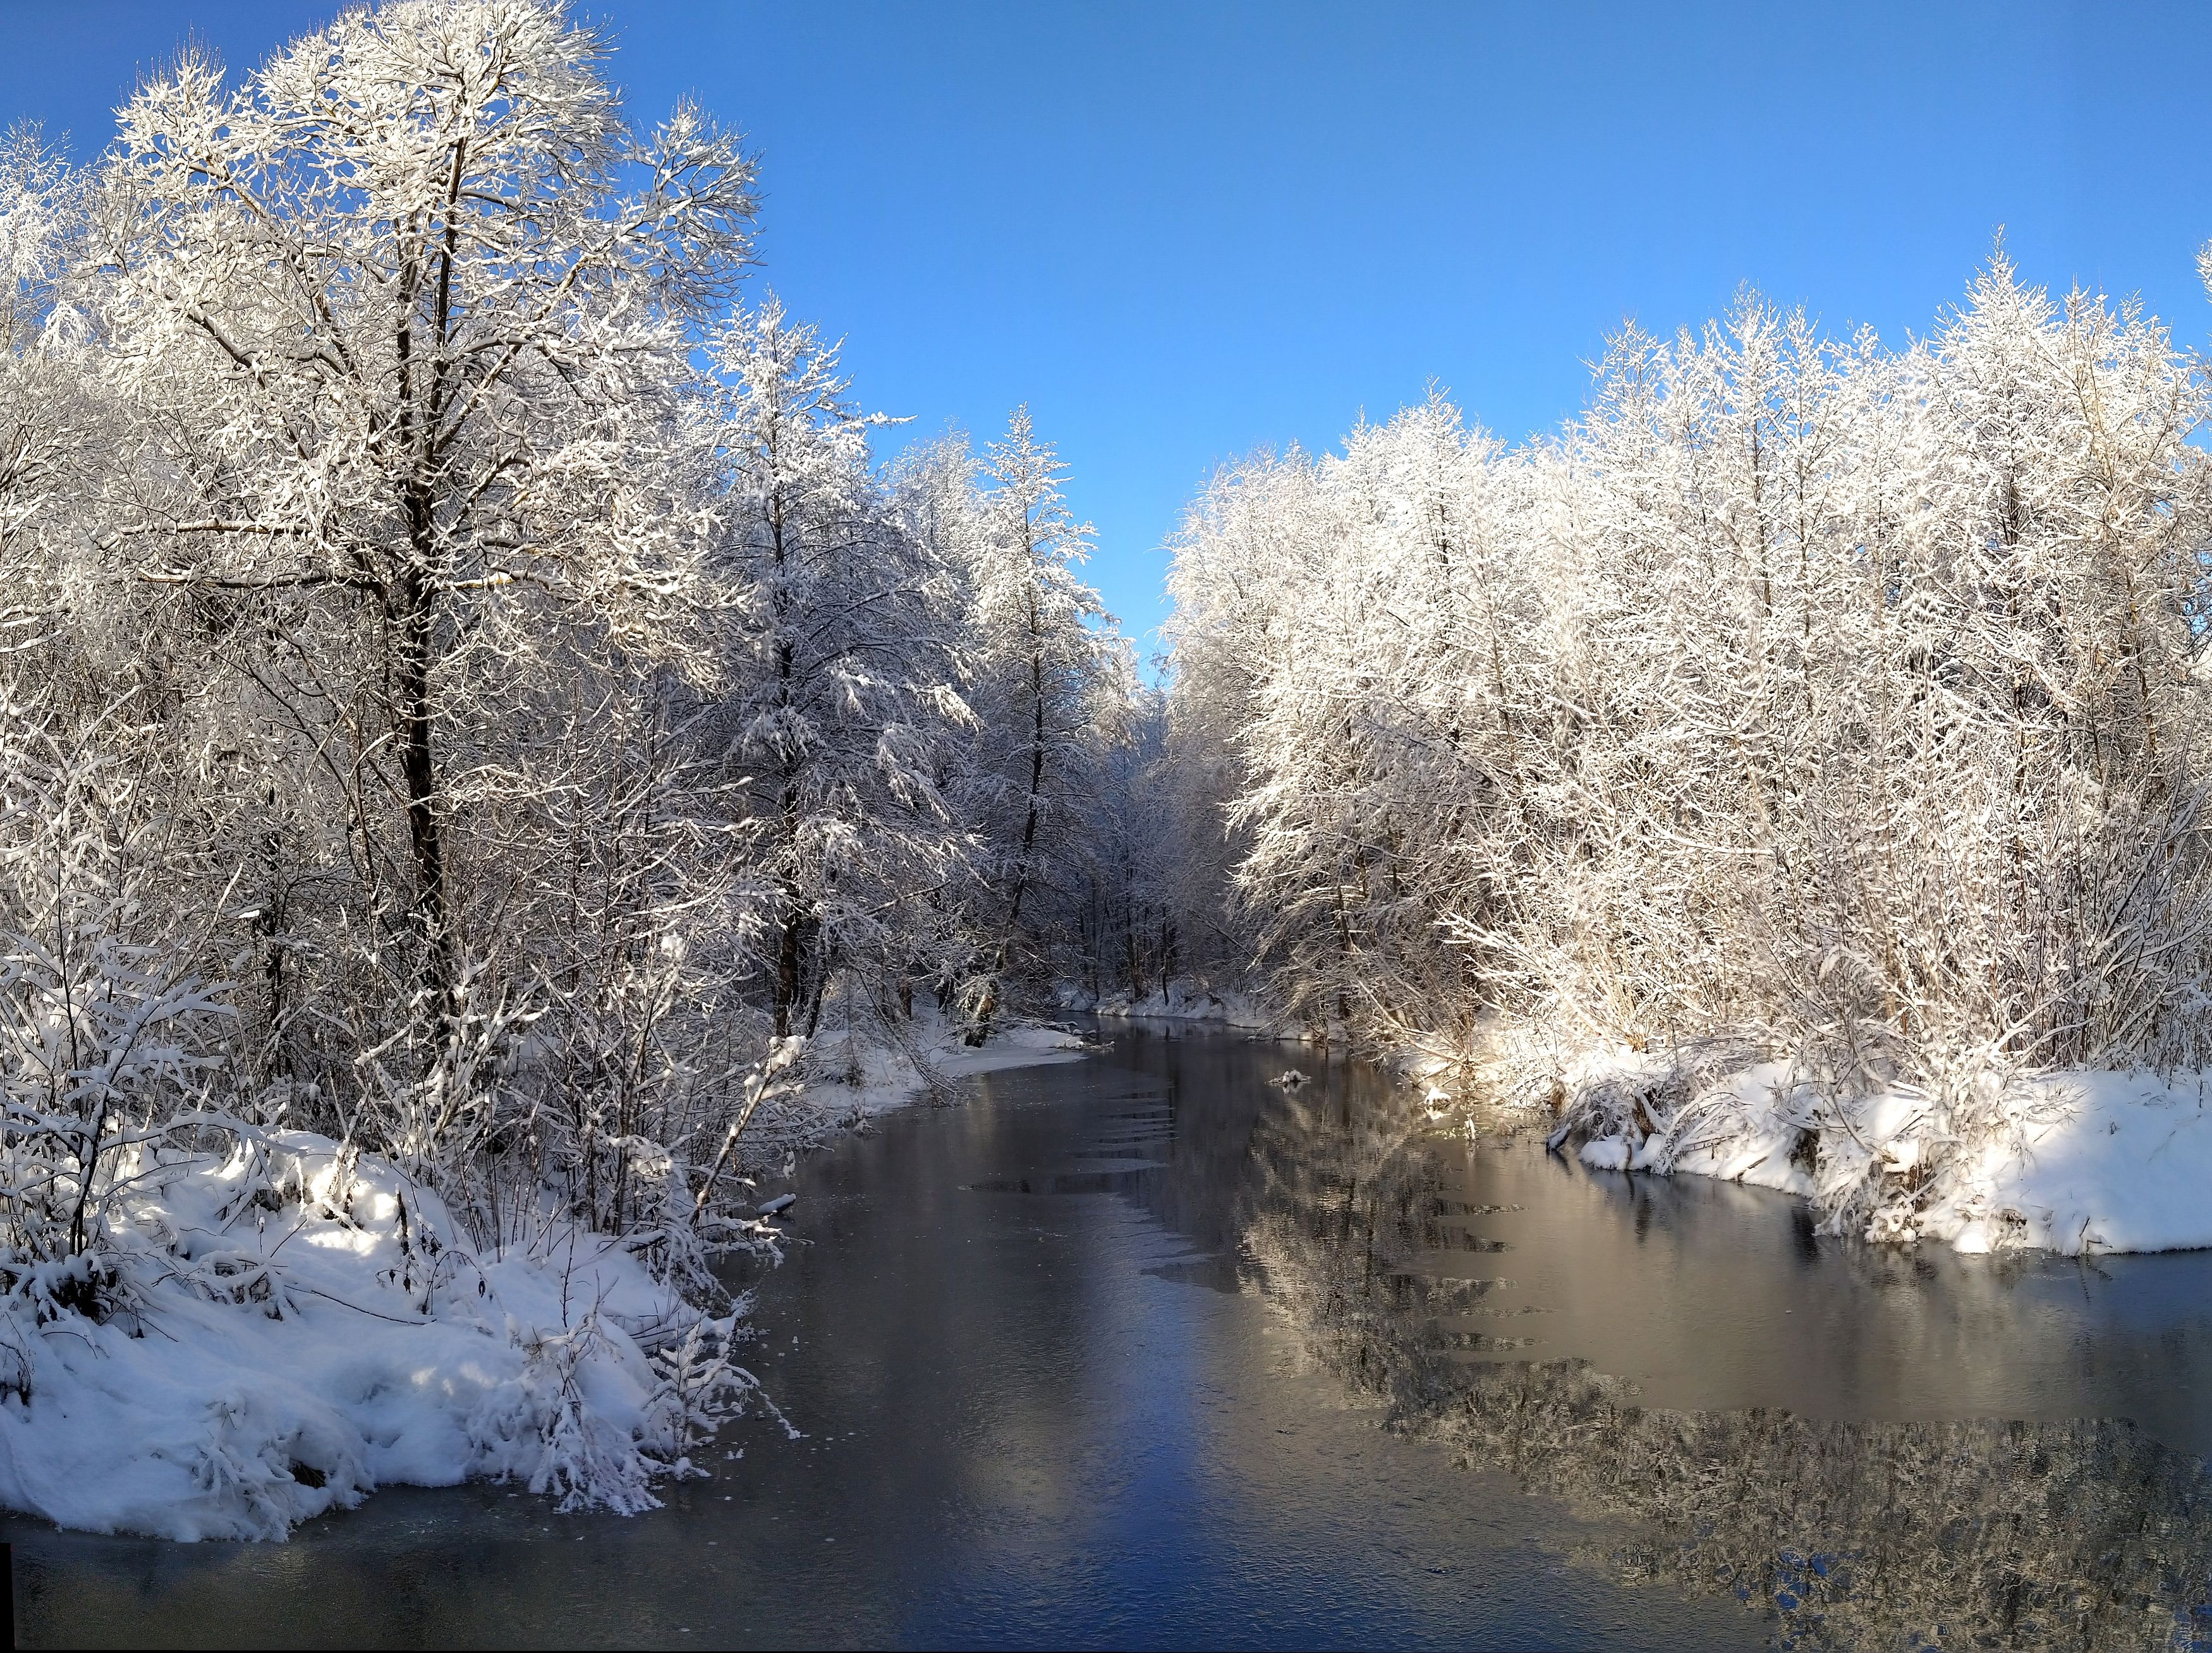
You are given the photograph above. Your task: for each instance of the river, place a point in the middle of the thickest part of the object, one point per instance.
(1151, 1350)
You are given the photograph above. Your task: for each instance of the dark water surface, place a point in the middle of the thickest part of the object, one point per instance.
(1146, 1350)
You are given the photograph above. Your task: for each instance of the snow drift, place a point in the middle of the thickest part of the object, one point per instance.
(280, 1332)
(2074, 1162)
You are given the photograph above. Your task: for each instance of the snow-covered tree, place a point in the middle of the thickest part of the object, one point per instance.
(465, 694)
(847, 683)
(52, 421)
(1802, 699)
(1049, 684)
(413, 499)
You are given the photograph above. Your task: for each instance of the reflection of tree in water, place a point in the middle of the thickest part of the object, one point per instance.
(1878, 1535)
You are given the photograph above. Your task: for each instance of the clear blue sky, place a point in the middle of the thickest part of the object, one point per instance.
(1184, 231)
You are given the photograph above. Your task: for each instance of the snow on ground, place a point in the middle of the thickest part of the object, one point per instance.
(1011, 1047)
(1180, 1002)
(2095, 1161)
(337, 1332)
(2075, 1163)
(862, 1073)
(308, 1326)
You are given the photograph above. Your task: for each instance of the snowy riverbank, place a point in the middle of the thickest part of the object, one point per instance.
(287, 1328)
(1226, 1008)
(2075, 1163)
(862, 1074)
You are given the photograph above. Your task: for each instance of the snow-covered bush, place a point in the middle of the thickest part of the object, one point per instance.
(278, 1323)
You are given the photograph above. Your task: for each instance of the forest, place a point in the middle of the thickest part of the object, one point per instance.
(1793, 770)
(470, 701)
(489, 753)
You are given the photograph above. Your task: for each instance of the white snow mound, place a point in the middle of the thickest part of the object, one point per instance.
(306, 1328)
(2092, 1162)
(2074, 1162)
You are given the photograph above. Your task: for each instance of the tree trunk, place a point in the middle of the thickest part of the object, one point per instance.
(415, 617)
(980, 1031)
(786, 974)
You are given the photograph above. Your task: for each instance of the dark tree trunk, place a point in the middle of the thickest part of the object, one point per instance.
(416, 619)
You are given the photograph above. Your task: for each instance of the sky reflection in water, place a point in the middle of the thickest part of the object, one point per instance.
(1099, 1358)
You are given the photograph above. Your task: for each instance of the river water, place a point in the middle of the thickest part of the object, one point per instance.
(1150, 1350)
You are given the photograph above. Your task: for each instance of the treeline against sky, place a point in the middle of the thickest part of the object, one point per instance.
(466, 687)
(1805, 699)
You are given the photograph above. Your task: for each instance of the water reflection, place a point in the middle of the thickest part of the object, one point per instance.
(1074, 1360)
(1499, 1302)
(1029, 1422)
